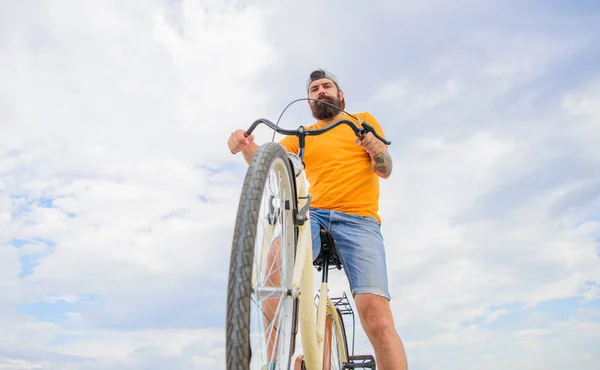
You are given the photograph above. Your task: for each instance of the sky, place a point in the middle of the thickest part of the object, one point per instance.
(118, 194)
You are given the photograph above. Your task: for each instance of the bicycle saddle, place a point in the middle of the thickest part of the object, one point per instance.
(327, 253)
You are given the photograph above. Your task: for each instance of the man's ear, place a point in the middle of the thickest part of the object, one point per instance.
(341, 95)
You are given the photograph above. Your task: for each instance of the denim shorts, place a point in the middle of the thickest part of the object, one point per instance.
(359, 243)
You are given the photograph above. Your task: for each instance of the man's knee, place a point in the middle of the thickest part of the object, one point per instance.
(375, 314)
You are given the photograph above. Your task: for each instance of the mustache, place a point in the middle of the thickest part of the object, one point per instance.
(328, 99)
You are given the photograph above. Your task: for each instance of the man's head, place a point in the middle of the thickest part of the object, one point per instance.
(323, 85)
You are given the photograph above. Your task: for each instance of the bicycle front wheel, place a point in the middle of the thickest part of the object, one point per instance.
(261, 313)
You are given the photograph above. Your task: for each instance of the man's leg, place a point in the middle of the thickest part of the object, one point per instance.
(377, 322)
(360, 245)
(270, 305)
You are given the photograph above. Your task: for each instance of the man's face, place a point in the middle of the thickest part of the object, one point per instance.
(324, 90)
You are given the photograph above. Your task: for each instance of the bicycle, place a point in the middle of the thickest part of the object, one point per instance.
(284, 241)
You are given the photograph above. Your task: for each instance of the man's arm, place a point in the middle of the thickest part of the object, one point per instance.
(249, 151)
(382, 163)
(380, 157)
(239, 142)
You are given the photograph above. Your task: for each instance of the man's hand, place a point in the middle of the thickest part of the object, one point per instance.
(239, 142)
(371, 144)
(380, 158)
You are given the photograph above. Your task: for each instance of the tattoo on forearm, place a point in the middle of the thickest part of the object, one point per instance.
(382, 164)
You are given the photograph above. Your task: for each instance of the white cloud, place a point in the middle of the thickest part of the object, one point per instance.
(414, 100)
(486, 222)
(113, 109)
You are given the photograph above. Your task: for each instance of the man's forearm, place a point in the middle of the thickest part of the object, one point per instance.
(382, 163)
(249, 152)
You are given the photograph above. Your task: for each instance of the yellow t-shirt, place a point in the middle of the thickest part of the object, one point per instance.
(340, 172)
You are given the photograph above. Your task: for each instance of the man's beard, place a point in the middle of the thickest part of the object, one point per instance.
(323, 111)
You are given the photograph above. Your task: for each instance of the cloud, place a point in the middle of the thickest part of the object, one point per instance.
(114, 111)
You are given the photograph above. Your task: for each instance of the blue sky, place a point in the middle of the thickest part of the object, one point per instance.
(118, 193)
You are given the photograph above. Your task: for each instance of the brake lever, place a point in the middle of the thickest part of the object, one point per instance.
(368, 128)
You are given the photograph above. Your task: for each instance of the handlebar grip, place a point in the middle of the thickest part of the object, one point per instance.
(252, 127)
(370, 129)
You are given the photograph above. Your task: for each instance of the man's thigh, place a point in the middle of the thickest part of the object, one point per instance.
(360, 245)
(318, 218)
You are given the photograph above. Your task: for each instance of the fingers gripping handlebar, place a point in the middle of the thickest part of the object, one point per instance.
(369, 128)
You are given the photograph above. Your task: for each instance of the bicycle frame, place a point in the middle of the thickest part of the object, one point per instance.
(312, 326)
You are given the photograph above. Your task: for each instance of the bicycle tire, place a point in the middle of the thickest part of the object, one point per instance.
(238, 351)
(342, 356)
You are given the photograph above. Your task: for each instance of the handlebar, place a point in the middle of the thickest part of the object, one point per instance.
(301, 132)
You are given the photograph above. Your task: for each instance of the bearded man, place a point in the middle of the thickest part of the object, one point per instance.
(344, 172)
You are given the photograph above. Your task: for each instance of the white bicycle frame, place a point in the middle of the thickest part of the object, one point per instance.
(312, 327)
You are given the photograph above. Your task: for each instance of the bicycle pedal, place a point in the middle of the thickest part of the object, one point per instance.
(360, 362)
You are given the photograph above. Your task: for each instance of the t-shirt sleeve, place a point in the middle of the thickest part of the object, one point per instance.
(290, 143)
(369, 119)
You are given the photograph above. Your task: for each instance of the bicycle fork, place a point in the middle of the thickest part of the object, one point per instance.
(302, 283)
